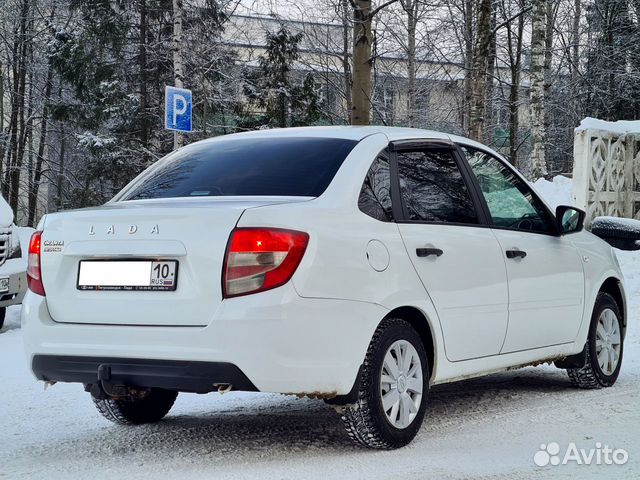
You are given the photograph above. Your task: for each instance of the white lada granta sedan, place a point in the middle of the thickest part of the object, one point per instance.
(356, 265)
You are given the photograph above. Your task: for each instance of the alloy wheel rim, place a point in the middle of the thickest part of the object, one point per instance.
(401, 384)
(608, 341)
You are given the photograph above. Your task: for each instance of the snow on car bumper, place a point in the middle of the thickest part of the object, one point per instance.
(280, 341)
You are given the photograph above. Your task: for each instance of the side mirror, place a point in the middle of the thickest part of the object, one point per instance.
(569, 219)
(622, 233)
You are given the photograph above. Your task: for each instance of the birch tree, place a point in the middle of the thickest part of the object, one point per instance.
(469, 36)
(178, 62)
(515, 41)
(411, 9)
(343, 12)
(479, 71)
(536, 92)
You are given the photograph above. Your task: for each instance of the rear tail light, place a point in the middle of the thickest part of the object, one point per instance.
(260, 259)
(34, 273)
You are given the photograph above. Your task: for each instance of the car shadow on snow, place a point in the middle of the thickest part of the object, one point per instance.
(248, 424)
(506, 393)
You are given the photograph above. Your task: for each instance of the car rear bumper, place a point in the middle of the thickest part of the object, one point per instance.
(169, 374)
(277, 341)
(17, 288)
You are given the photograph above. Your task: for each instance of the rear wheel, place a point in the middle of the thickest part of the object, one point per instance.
(604, 347)
(148, 409)
(3, 313)
(392, 390)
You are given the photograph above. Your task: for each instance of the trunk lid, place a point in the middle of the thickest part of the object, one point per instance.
(192, 231)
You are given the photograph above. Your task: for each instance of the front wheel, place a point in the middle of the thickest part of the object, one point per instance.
(3, 313)
(149, 409)
(603, 350)
(392, 390)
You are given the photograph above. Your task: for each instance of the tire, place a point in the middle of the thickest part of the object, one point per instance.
(149, 409)
(3, 313)
(592, 374)
(366, 421)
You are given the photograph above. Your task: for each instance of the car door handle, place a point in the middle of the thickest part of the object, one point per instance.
(427, 252)
(516, 254)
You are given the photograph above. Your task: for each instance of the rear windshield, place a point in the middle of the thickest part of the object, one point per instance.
(236, 166)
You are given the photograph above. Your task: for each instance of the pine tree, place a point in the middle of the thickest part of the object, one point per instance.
(613, 67)
(117, 58)
(273, 88)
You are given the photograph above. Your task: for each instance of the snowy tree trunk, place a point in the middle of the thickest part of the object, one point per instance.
(37, 173)
(575, 40)
(60, 184)
(2, 143)
(548, 47)
(548, 75)
(575, 57)
(410, 7)
(479, 72)
(19, 139)
(178, 62)
(346, 61)
(142, 62)
(490, 116)
(362, 41)
(536, 92)
(468, 64)
(28, 134)
(514, 47)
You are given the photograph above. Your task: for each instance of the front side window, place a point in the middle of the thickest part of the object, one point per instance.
(433, 189)
(375, 196)
(295, 166)
(511, 202)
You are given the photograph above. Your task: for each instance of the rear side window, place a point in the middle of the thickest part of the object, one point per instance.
(375, 196)
(238, 166)
(433, 189)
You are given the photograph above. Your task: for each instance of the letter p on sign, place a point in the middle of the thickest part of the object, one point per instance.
(177, 109)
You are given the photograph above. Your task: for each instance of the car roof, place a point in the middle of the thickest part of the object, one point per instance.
(340, 131)
(356, 133)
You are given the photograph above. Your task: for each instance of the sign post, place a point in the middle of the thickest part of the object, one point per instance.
(178, 106)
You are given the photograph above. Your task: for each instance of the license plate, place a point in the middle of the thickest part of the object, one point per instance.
(128, 275)
(4, 285)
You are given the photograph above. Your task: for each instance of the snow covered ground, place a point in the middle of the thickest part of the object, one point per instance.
(484, 428)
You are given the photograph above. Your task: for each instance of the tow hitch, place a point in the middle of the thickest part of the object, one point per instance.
(104, 389)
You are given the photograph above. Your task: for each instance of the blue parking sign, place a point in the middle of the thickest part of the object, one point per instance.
(177, 109)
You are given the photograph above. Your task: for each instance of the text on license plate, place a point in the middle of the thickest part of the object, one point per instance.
(128, 275)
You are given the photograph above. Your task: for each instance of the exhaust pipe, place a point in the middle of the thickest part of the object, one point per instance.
(223, 387)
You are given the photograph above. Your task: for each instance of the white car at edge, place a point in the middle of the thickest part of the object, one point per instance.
(360, 265)
(14, 241)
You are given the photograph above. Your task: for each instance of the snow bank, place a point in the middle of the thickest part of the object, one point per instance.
(12, 319)
(6, 214)
(555, 192)
(620, 127)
